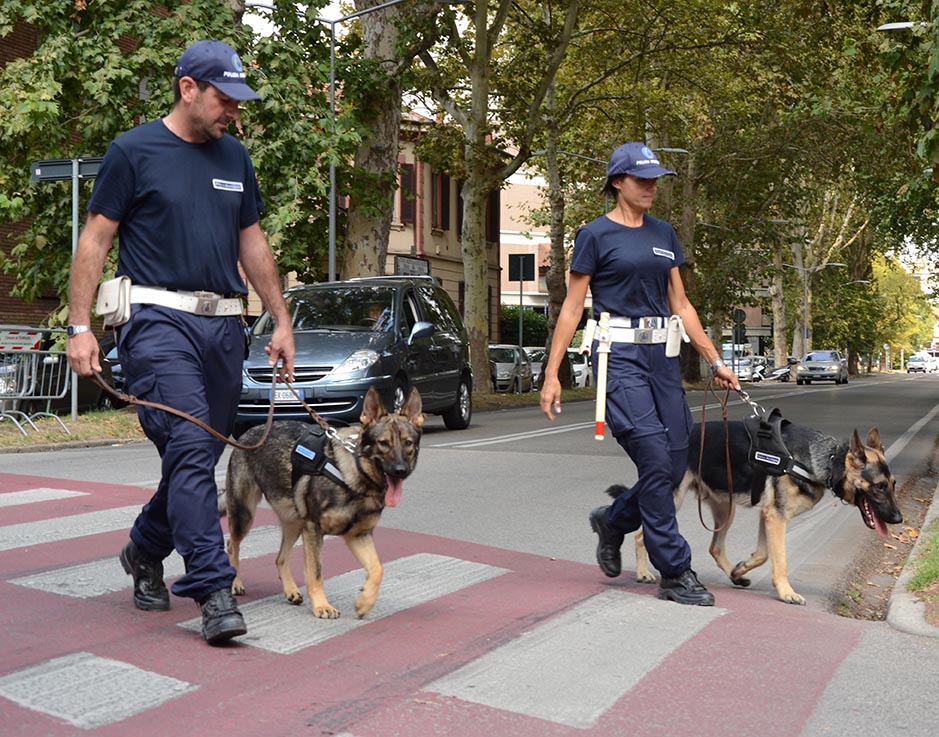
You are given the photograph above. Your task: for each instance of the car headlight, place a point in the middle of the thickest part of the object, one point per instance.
(800, 368)
(504, 373)
(356, 364)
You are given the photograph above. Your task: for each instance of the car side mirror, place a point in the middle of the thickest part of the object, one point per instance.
(421, 329)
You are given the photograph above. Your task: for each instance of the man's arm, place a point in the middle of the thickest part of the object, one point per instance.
(92, 251)
(258, 263)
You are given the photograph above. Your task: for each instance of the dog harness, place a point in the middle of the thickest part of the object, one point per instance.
(768, 452)
(308, 457)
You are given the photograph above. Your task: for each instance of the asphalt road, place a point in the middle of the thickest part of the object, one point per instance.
(493, 615)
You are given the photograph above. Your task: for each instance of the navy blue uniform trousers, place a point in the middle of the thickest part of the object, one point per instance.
(648, 414)
(192, 363)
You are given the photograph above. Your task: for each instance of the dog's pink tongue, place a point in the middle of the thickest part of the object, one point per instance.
(393, 492)
(880, 527)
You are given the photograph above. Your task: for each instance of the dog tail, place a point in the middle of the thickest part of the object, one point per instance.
(615, 490)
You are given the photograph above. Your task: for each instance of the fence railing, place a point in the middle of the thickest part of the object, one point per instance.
(33, 371)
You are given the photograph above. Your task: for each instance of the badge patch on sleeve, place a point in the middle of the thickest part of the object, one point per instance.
(664, 252)
(227, 186)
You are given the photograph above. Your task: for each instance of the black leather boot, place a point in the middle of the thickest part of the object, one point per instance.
(150, 593)
(221, 619)
(685, 589)
(611, 540)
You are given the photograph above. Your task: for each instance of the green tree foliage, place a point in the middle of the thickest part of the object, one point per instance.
(99, 69)
(534, 327)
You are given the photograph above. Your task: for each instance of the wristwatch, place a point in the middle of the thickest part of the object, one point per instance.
(76, 329)
(716, 366)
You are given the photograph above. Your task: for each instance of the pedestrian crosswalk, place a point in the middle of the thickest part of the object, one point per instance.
(462, 636)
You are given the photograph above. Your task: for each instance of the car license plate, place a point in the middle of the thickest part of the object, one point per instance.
(286, 395)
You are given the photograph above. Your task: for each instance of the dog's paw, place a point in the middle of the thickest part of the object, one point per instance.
(363, 605)
(325, 612)
(791, 597)
(237, 587)
(645, 577)
(740, 581)
(294, 597)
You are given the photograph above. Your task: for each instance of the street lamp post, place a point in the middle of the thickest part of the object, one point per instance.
(806, 272)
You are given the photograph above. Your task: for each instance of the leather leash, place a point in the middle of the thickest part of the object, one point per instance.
(348, 443)
(730, 479)
(131, 399)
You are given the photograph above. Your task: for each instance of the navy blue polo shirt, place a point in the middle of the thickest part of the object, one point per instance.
(628, 267)
(181, 207)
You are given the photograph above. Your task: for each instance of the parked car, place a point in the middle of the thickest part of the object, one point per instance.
(536, 357)
(391, 332)
(509, 369)
(917, 363)
(583, 374)
(749, 366)
(822, 366)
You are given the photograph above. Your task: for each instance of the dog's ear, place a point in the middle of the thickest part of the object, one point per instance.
(412, 408)
(873, 440)
(856, 450)
(372, 407)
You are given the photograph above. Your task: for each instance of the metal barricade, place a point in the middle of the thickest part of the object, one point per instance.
(33, 370)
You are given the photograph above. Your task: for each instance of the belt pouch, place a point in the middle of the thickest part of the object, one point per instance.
(114, 301)
(674, 335)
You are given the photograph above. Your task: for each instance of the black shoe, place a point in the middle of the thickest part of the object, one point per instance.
(150, 592)
(685, 589)
(221, 619)
(611, 540)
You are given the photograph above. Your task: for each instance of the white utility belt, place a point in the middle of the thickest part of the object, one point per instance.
(643, 330)
(208, 304)
(638, 335)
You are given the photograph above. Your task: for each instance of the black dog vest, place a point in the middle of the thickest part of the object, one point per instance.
(308, 457)
(768, 452)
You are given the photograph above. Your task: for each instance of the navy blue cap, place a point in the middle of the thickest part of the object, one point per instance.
(635, 159)
(218, 64)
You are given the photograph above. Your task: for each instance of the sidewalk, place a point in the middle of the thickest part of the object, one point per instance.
(904, 611)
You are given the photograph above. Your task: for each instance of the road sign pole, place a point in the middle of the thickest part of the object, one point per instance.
(56, 170)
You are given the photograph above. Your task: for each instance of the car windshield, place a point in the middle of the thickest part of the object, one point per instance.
(502, 355)
(821, 356)
(744, 362)
(357, 308)
(536, 356)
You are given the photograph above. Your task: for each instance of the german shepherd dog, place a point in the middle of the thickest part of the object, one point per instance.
(385, 454)
(857, 474)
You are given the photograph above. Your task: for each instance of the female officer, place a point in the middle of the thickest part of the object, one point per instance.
(630, 261)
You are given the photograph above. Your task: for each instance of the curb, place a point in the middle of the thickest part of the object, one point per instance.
(904, 611)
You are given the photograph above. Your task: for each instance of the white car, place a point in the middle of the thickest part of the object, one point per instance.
(583, 375)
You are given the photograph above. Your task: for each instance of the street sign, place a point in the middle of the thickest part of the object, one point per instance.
(410, 266)
(521, 267)
(54, 170)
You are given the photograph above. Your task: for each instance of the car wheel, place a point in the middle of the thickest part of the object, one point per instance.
(799, 382)
(459, 415)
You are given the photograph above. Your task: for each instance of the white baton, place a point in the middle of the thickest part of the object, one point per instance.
(603, 355)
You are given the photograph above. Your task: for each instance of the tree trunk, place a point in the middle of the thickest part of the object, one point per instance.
(365, 248)
(476, 273)
(555, 279)
(780, 352)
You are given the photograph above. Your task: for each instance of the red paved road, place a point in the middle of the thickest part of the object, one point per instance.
(374, 680)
